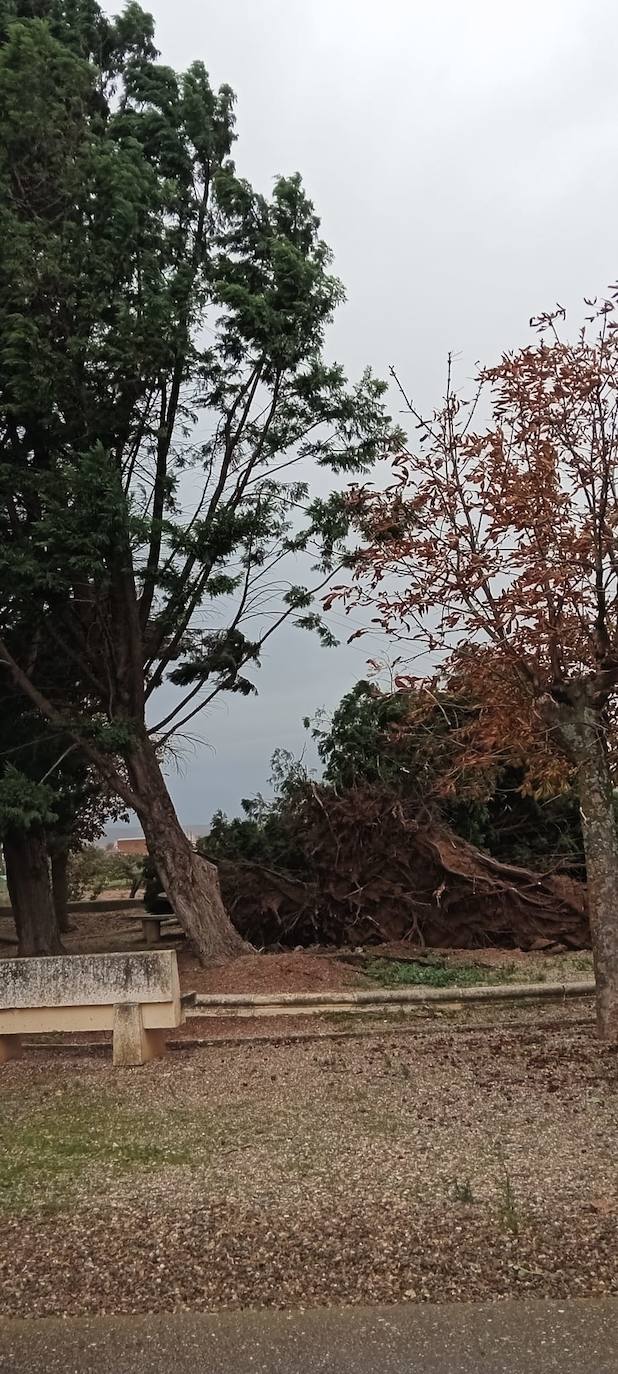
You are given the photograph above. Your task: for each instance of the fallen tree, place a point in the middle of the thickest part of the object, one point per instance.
(393, 879)
(373, 869)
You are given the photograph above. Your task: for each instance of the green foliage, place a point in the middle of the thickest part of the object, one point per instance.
(44, 777)
(258, 835)
(375, 736)
(434, 973)
(91, 870)
(519, 828)
(221, 653)
(354, 744)
(383, 737)
(23, 802)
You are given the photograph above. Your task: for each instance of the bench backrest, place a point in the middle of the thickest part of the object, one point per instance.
(80, 991)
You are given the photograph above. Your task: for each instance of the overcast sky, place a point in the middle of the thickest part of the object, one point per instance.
(463, 157)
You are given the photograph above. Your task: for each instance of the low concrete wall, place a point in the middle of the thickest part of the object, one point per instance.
(89, 980)
(107, 904)
(98, 904)
(480, 992)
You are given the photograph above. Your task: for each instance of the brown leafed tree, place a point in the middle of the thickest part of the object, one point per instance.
(495, 550)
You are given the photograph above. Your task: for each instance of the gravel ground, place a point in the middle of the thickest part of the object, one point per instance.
(433, 1166)
(299, 970)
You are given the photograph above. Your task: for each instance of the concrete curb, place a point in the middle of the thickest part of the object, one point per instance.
(380, 1000)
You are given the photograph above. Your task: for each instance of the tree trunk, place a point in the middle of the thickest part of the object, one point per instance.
(59, 856)
(136, 882)
(583, 737)
(27, 876)
(191, 883)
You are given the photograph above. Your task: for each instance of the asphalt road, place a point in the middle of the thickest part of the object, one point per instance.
(484, 1338)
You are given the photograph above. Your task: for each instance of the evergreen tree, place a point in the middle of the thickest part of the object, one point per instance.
(161, 374)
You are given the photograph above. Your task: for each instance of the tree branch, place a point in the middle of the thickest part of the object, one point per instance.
(50, 712)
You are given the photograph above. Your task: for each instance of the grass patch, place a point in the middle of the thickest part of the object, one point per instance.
(44, 1158)
(73, 1146)
(508, 1211)
(389, 973)
(437, 971)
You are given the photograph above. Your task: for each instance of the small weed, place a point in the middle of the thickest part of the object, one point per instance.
(396, 1066)
(508, 1211)
(582, 963)
(462, 1190)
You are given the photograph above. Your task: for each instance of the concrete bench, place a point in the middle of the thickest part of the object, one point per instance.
(152, 924)
(137, 996)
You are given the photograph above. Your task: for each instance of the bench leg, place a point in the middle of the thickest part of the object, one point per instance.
(132, 1043)
(10, 1047)
(151, 931)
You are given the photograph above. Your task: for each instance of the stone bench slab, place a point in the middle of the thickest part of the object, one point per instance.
(68, 980)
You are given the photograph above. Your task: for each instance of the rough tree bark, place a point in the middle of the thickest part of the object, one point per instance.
(191, 883)
(59, 857)
(28, 882)
(580, 726)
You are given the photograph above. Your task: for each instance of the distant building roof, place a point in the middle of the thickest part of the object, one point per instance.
(131, 845)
